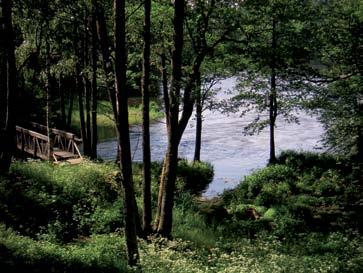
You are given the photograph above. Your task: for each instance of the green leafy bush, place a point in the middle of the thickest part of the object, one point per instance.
(102, 253)
(195, 176)
(62, 201)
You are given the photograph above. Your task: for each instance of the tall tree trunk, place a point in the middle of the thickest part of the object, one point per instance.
(79, 87)
(164, 75)
(48, 99)
(87, 88)
(106, 56)
(123, 130)
(62, 102)
(272, 97)
(7, 134)
(199, 119)
(164, 217)
(70, 108)
(110, 81)
(94, 86)
(147, 216)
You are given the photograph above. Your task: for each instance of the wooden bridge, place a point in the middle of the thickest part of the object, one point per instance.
(60, 146)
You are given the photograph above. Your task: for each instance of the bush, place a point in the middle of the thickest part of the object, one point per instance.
(101, 253)
(195, 176)
(42, 198)
(263, 185)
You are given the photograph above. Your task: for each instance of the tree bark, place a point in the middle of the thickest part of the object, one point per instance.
(7, 134)
(273, 95)
(110, 81)
(164, 216)
(164, 75)
(199, 119)
(147, 216)
(70, 106)
(80, 87)
(123, 129)
(106, 55)
(61, 102)
(94, 87)
(87, 88)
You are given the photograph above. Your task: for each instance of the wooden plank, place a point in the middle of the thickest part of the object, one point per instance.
(64, 154)
(75, 161)
(32, 133)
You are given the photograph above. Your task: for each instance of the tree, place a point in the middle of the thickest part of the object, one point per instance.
(174, 99)
(7, 130)
(277, 54)
(121, 94)
(203, 101)
(338, 93)
(94, 58)
(147, 217)
(163, 223)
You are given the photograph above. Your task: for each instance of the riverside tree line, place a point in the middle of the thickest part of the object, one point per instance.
(288, 55)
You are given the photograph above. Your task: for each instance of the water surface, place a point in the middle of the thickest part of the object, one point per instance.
(232, 154)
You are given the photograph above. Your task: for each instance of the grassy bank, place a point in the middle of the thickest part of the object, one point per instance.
(301, 215)
(105, 120)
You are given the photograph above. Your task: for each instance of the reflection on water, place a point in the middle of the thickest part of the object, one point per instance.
(232, 154)
(105, 133)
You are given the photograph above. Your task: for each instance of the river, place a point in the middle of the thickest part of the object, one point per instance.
(224, 145)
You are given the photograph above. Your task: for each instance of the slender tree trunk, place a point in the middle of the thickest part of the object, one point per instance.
(199, 119)
(110, 81)
(123, 129)
(48, 99)
(164, 75)
(164, 217)
(94, 86)
(79, 87)
(147, 216)
(87, 89)
(7, 134)
(106, 55)
(70, 108)
(272, 97)
(62, 102)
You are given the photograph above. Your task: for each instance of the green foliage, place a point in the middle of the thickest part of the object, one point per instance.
(50, 200)
(269, 185)
(105, 120)
(218, 235)
(194, 176)
(302, 192)
(101, 253)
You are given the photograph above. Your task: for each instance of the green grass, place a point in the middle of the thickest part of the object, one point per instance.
(105, 119)
(100, 253)
(66, 218)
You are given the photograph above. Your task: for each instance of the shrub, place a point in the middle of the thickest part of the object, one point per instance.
(266, 182)
(101, 253)
(195, 176)
(63, 201)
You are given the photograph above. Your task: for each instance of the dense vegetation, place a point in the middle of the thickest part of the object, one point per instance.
(81, 66)
(302, 214)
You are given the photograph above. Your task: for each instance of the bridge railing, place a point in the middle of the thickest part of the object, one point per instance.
(60, 144)
(33, 143)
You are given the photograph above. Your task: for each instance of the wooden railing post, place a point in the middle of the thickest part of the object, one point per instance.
(35, 146)
(50, 146)
(22, 140)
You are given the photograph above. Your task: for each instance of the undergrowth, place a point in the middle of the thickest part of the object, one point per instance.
(300, 215)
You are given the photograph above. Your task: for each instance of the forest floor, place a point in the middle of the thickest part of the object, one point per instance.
(301, 215)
